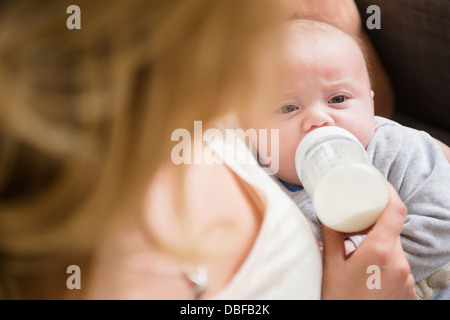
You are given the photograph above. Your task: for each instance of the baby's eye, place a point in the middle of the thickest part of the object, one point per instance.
(338, 99)
(287, 109)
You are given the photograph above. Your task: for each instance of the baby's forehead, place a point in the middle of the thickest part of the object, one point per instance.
(323, 48)
(313, 30)
(303, 34)
(311, 25)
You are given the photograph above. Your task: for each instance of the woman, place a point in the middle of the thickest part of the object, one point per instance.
(86, 123)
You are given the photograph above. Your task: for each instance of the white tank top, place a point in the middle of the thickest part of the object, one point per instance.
(285, 261)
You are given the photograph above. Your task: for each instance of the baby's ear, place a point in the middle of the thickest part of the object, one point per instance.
(372, 94)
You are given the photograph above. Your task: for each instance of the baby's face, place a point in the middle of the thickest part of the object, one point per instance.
(327, 85)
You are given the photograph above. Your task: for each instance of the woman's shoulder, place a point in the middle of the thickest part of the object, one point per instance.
(195, 217)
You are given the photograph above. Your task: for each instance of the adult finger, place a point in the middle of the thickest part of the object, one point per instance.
(333, 246)
(389, 225)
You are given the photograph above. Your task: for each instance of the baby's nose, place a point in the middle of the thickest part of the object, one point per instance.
(316, 117)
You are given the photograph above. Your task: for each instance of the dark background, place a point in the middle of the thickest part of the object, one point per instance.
(414, 47)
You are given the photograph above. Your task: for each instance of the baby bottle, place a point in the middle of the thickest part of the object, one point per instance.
(347, 191)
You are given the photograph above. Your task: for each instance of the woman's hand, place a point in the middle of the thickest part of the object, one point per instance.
(381, 250)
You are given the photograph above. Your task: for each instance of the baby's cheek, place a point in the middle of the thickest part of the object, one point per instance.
(287, 171)
(367, 136)
(363, 129)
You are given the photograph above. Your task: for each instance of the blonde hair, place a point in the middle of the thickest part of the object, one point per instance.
(86, 115)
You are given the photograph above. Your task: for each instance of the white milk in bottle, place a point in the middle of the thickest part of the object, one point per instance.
(348, 192)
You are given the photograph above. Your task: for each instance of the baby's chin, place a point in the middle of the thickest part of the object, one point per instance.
(293, 180)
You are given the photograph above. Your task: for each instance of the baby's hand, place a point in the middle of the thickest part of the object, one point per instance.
(349, 247)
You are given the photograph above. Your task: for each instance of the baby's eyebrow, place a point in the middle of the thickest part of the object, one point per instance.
(288, 98)
(336, 80)
(288, 92)
(339, 83)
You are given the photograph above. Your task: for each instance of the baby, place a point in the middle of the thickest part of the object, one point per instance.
(328, 84)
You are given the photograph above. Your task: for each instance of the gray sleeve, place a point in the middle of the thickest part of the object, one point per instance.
(417, 168)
